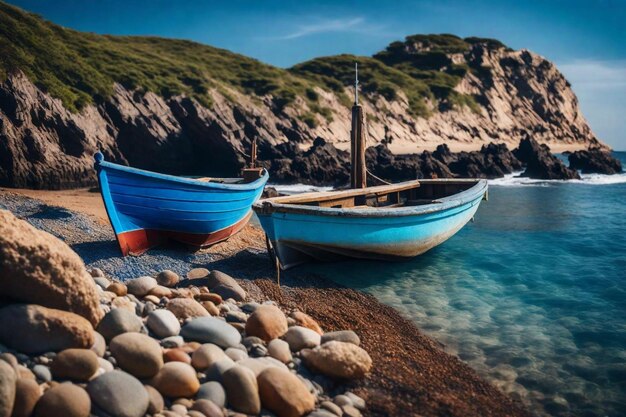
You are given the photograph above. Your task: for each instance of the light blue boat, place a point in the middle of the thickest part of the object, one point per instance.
(388, 222)
(147, 208)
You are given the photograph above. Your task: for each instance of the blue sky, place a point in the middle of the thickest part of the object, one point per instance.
(586, 39)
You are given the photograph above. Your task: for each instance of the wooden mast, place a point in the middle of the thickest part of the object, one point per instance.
(358, 170)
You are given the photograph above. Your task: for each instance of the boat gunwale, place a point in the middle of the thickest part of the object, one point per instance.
(270, 206)
(256, 184)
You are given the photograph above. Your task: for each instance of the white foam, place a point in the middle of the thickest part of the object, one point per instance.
(291, 189)
(514, 180)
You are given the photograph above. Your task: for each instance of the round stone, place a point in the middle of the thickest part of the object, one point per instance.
(99, 345)
(299, 337)
(284, 393)
(216, 371)
(267, 322)
(42, 373)
(213, 391)
(258, 365)
(332, 407)
(105, 365)
(210, 307)
(242, 390)
(119, 321)
(27, 393)
(33, 329)
(279, 349)
(119, 394)
(155, 402)
(211, 330)
(75, 364)
(226, 286)
(214, 298)
(206, 355)
(8, 378)
(176, 379)
(184, 308)
(198, 273)
(67, 400)
(141, 286)
(118, 288)
(357, 402)
(160, 291)
(307, 321)
(176, 355)
(167, 278)
(338, 360)
(346, 336)
(207, 408)
(137, 354)
(163, 323)
(236, 354)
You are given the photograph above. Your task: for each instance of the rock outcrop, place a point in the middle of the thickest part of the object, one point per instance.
(595, 160)
(540, 163)
(491, 95)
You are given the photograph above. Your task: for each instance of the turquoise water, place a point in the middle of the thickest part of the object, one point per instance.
(532, 294)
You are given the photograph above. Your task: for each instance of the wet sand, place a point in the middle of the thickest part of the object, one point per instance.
(412, 375)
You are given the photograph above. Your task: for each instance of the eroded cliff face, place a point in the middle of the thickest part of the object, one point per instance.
(44, 145)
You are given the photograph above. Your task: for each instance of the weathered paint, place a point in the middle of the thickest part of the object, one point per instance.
(147, 208)
(300, 233)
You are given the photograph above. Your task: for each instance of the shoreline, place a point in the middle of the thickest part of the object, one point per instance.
(412, 374)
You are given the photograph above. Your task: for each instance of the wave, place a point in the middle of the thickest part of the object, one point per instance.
(514, 180)
(290, 189)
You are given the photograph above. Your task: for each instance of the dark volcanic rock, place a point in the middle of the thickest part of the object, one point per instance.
(540, 163)
(595, 160)
(384, 164)
(492, 161)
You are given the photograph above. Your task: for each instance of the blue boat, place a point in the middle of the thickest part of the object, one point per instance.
(387, 222)
(146, 208)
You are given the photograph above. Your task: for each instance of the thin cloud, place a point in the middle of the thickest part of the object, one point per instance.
(595, 74)
(349, 24)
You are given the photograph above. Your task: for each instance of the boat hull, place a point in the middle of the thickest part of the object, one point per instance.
(299, 236)
(147, 209)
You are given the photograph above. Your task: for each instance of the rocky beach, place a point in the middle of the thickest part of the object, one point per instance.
(185, 338)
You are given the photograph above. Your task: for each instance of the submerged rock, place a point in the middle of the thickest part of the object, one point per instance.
(38, 268)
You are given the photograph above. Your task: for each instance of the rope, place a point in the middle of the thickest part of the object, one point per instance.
(377, 178)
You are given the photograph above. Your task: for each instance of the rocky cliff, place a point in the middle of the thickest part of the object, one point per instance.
(184, 108)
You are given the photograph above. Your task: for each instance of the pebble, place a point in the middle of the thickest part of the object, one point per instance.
(75, 364)
(176, 379)
(321, 413)
(284, 393)
(105, 365)
(173, 342)
(210, 307)
(242, 390)
(119, 321)
(67, 400)
(236, 317)
(258, 365)
(332, 407)
(198, 273)
(357, 401)
(119, 394)
(42, 373)
(279, 349)
(137, 354)
(163, 323)
(8, 378)
(307, 321)
(299, 338)
(342, 400)
(124, 303)
(33, 329)
(96, 273)
(236, 354)
(267, 322)
(176, 355)
(206, 355)
(346, 336)
(216, 371)
(184, 308)
(179, 409)
(161, 292)
(102, 282)
(155, 400)
(350, 411)
(99, 345)
(167, 278)
(118, 288)
(338, 360)
(207, 408)
(211, 330)
(141, 286)
(226, 286)
(27, 393)
(212, 297)
(213, 391)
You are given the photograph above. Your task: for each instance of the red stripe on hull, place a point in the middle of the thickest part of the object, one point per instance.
(138, 242)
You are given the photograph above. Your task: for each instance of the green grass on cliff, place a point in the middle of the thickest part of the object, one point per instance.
(81, 68)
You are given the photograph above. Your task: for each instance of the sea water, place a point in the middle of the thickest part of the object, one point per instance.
(532, 294)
